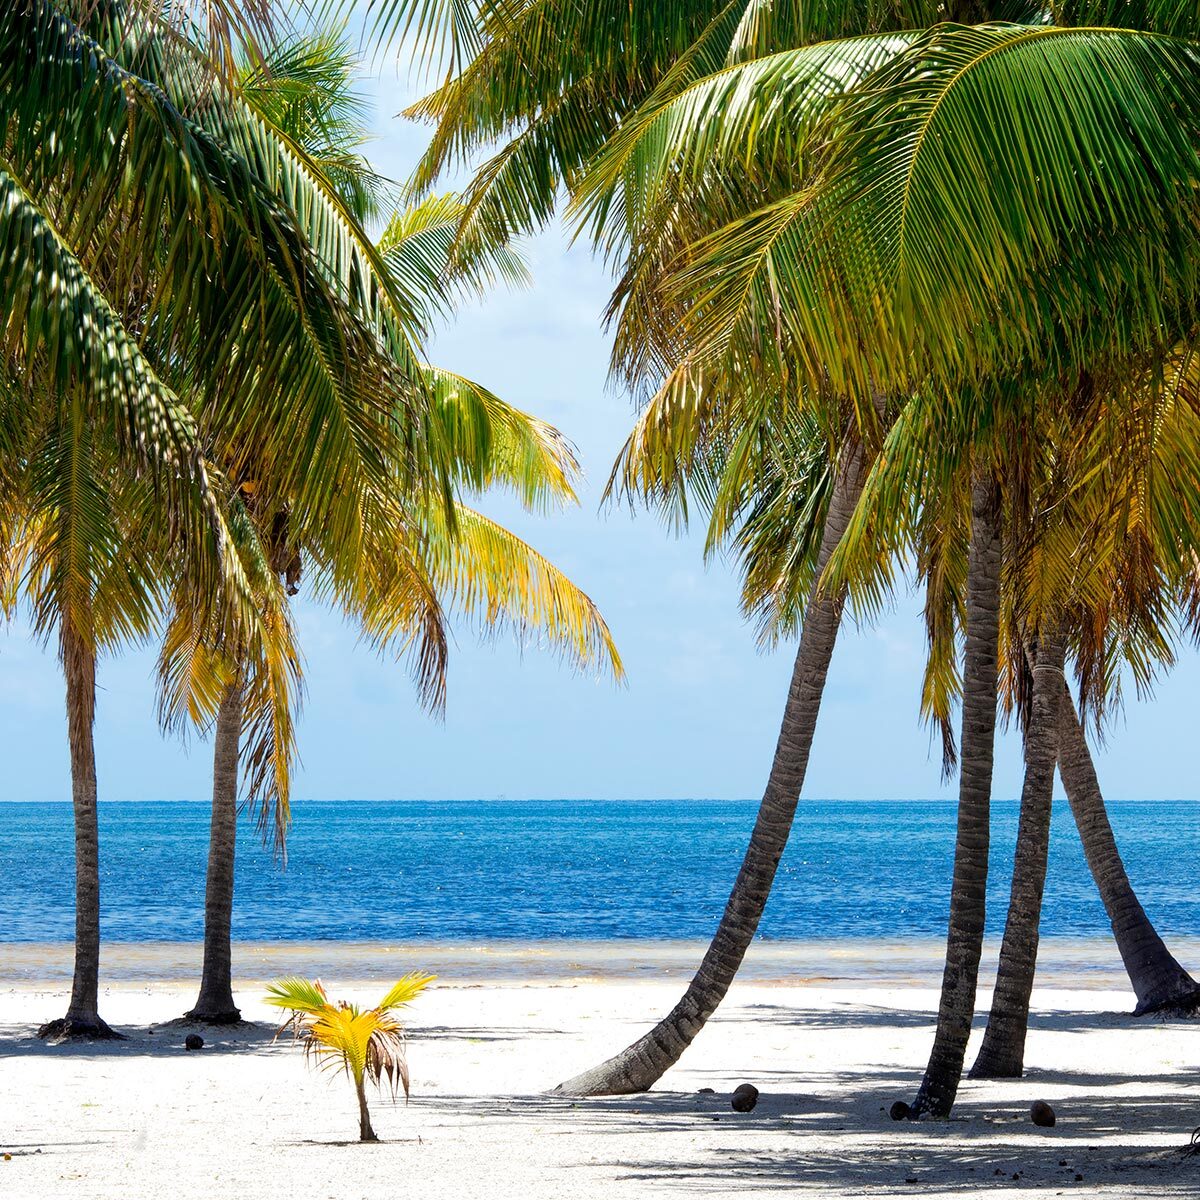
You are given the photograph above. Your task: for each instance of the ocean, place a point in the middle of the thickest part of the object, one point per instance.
(568, 871)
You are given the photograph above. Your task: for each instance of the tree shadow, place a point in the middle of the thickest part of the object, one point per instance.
(157, 1040)
(855, 1015)
(989, 1145)
(467, 1033)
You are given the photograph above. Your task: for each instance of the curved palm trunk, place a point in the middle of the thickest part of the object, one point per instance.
(215, 1004)
(79, 669)
(1159, 982)
(638, 1067)
(1002, 1055)
(968, 894)
(365, 1132)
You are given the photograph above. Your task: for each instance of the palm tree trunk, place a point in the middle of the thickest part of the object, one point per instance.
(638, 1067)
(365, 1132)
(1002, 1055)
(1159, 982)
(968, 893)
(79, 668)
(215, 1004)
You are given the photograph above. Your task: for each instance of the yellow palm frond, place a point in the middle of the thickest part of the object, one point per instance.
(364, 1043)
(494, 576)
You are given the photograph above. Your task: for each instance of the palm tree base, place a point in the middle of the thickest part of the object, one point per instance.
(921, 1110)
(1186, 1005)
(66, 1029)
(205, 1016)
(996, 1070)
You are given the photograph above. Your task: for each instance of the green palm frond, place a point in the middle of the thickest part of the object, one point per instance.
(231, 302)
(304, 88)
(297, 995)
(435, 265)
(868, 275)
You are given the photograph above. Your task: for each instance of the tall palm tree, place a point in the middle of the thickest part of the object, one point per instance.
(1123, 535)
(296, 108)
(84, 542)
(1002, 1052)
(146, 260)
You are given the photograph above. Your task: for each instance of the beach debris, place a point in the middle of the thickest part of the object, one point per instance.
(193, 1041)
(899, 1111)
(1042, 1115)
(706, 1091)
(744, 1098)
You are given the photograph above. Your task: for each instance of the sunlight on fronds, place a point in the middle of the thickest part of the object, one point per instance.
(492, 444)
(502, 583)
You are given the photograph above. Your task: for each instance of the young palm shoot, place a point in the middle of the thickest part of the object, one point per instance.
(366, 1045)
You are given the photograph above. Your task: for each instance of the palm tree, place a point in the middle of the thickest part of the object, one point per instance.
(366, 1045)
(756, 263)
(699, 273)
(1104, 571)
(411, 559)
(146, 260)
(636, 1068)
(1160, 983)
(83, 543)
(1003, 1049)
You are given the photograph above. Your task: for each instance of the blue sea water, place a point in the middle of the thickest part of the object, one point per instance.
(495, 870)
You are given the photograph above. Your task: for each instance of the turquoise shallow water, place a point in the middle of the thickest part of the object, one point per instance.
(1090, 963)
(574, 871)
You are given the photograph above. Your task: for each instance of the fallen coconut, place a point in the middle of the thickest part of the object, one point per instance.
(1041, 1114)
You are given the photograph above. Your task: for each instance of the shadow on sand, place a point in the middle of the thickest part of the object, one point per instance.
(162, 1038)
(988, 1146)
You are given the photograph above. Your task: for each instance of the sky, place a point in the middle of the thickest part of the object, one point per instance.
(699, 712)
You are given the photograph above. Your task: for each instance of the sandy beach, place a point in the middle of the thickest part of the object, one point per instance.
(245, 1116)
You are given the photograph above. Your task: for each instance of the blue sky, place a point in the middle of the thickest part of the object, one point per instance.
(699, 713)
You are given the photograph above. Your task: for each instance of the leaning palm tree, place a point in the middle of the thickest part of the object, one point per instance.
(829, 287)
(1160, 982)
(368, 1045)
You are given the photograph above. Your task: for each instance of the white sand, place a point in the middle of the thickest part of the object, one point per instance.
(247, 1118)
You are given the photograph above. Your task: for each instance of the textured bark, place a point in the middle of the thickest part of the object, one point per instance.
(639, 1066)
(365, 1132)
(79, 668)
(1159, 982)
(1002, 1055)
(968, 894)
(215, 1004)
